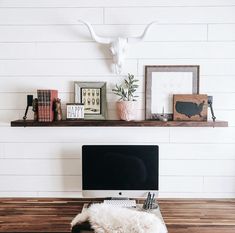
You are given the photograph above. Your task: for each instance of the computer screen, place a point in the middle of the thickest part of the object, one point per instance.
(119, 170)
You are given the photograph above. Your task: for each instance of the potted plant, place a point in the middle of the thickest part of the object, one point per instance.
(126, 106)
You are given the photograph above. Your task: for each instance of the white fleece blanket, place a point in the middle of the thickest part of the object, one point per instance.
(108, 219)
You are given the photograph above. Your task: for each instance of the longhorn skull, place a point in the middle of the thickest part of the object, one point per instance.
(118, 46)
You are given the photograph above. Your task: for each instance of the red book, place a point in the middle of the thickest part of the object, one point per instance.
(46, 99)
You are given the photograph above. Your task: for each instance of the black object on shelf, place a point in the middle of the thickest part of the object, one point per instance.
(210, 101)
(29, 104)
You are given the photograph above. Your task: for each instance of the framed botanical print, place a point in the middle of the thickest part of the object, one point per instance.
(93, 96)
(164, 81)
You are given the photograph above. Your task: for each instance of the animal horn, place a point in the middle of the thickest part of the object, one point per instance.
(99, 39)
(142, 37)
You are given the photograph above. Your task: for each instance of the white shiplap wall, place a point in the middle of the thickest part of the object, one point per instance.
(43, 46)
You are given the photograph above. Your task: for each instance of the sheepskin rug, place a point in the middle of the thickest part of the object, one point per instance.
(109, 219)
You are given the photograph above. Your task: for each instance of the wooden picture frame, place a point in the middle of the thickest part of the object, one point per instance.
(162, 81)
(93, 96)
(190, 107)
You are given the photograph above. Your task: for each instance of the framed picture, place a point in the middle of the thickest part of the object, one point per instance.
(164, 81)
(93, 96)
(75, 111)
(190, 107)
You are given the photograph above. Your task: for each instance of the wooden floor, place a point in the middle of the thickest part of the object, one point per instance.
(54, 215)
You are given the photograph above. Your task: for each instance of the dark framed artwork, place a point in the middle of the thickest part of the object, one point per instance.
(164, 81)
(93, 96)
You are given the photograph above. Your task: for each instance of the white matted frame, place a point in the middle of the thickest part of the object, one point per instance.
(93, 96)
(164, 81)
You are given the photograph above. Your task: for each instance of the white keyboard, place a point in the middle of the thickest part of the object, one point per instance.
(121, 203)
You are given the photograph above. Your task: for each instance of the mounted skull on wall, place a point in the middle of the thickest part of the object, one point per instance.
(117, 45)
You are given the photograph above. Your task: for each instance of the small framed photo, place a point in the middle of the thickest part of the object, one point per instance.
(93, 96)
(75, 111)
(164, 81)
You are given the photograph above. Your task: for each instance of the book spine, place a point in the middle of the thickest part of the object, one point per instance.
(40, 107)
(43, 106)
(38, 96)
(48, 105)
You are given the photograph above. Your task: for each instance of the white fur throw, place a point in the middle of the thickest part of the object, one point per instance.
(108, 219)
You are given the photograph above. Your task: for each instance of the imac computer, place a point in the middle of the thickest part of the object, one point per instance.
(119, 170)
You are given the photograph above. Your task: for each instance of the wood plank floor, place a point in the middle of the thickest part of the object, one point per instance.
(54, 215)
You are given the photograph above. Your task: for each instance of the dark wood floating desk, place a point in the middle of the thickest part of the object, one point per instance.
(117, 123)
(55, 214)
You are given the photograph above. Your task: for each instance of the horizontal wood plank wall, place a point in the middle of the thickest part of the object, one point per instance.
(42, 45)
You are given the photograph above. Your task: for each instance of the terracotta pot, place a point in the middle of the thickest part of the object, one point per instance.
(126, 110)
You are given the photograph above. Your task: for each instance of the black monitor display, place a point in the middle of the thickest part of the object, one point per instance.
(120, 167)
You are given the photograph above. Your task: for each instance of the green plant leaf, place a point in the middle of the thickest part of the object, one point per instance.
(127, 89)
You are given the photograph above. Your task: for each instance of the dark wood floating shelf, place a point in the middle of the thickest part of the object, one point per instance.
(116, 123)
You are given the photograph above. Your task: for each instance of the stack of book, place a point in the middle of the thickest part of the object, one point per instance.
(46, 99)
